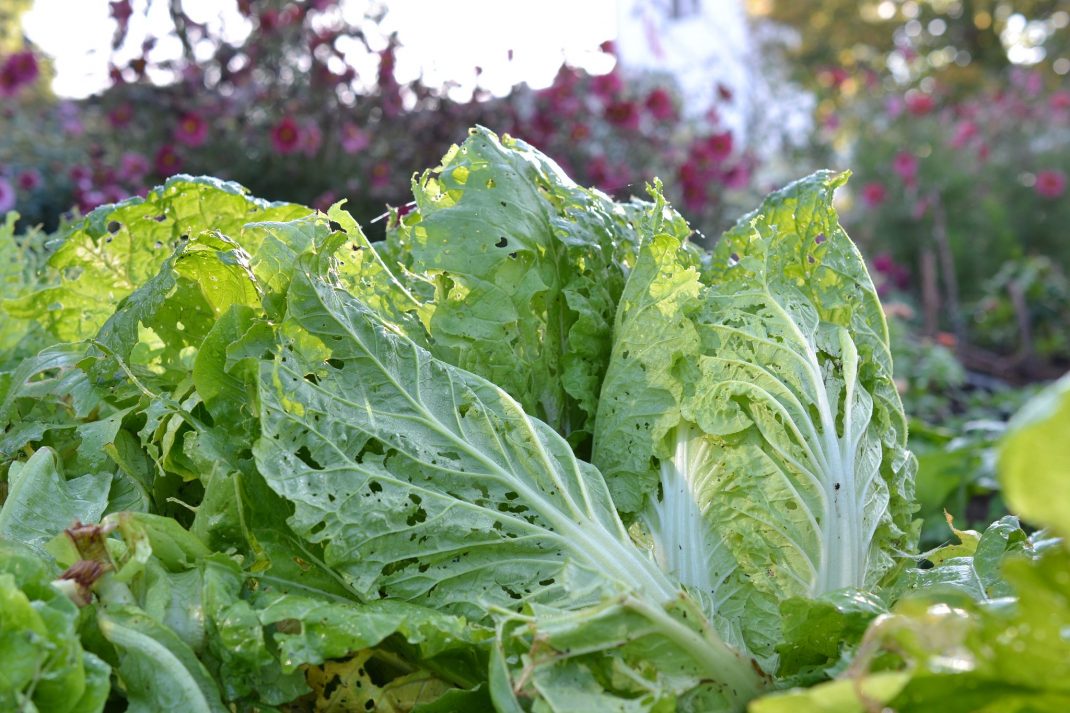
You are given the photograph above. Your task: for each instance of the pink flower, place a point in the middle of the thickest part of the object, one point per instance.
(324, 201)
(286, 136)
(311, 139)
(660, 104)
(873, 194)
(884, 264)
(905, 165)
(736, 177)
(7, 195)
(354, 138)
(1060, 100)
(918, 103)
(81, 177)
(1050, 184)
(167, 161)
(29, 180)
(88, 200)
(133, 166)
(624, 114)
(964, 132)
(192, 130)
(381, 175)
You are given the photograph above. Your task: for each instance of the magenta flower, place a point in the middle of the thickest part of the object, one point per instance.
(7, 195)
(167, 161)
(964, 132)
(905, 165)
(354, 138)
(286, 136)
(325, 200)
(88, 200)
(192, 130)
(660, 104)
(736, 177)
(624, 114)
(133, 166)
(29, 180)
(121, 115)
(873, 194)
(715, 147)
(607, 177)
(607, 86)
(81, 177)
(381, 176)
(1050, 184)
(18, 70)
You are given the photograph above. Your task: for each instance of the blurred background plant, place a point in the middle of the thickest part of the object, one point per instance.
(954, 116)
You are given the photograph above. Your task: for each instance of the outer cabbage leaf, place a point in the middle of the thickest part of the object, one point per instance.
(41, 502)
(429, 484)
(749, 412)
(119, 247)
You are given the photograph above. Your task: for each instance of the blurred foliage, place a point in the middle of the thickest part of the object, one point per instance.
(958, 41)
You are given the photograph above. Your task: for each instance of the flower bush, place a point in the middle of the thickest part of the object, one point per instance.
(288, 113)
(970, 184)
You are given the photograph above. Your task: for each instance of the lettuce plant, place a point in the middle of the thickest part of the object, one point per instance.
(275, 466)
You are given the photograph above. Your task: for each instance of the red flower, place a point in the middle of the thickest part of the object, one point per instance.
(286, 136)
(905, 165)
(29, 180)
(918, 103)
(192, 130)
(1059, 101)
(624, 114)
(1050, 184)
(168, 162)
(609, 178)
(873, 194)
(660, 104)
(736, 177)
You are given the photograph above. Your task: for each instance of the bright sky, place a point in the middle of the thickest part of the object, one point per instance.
(447, 39)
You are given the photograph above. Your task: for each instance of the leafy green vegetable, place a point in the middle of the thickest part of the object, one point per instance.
(749, 412)
(320, 474)
(515, 272)
(429, 484)
(1034, 461)
(45, 666)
